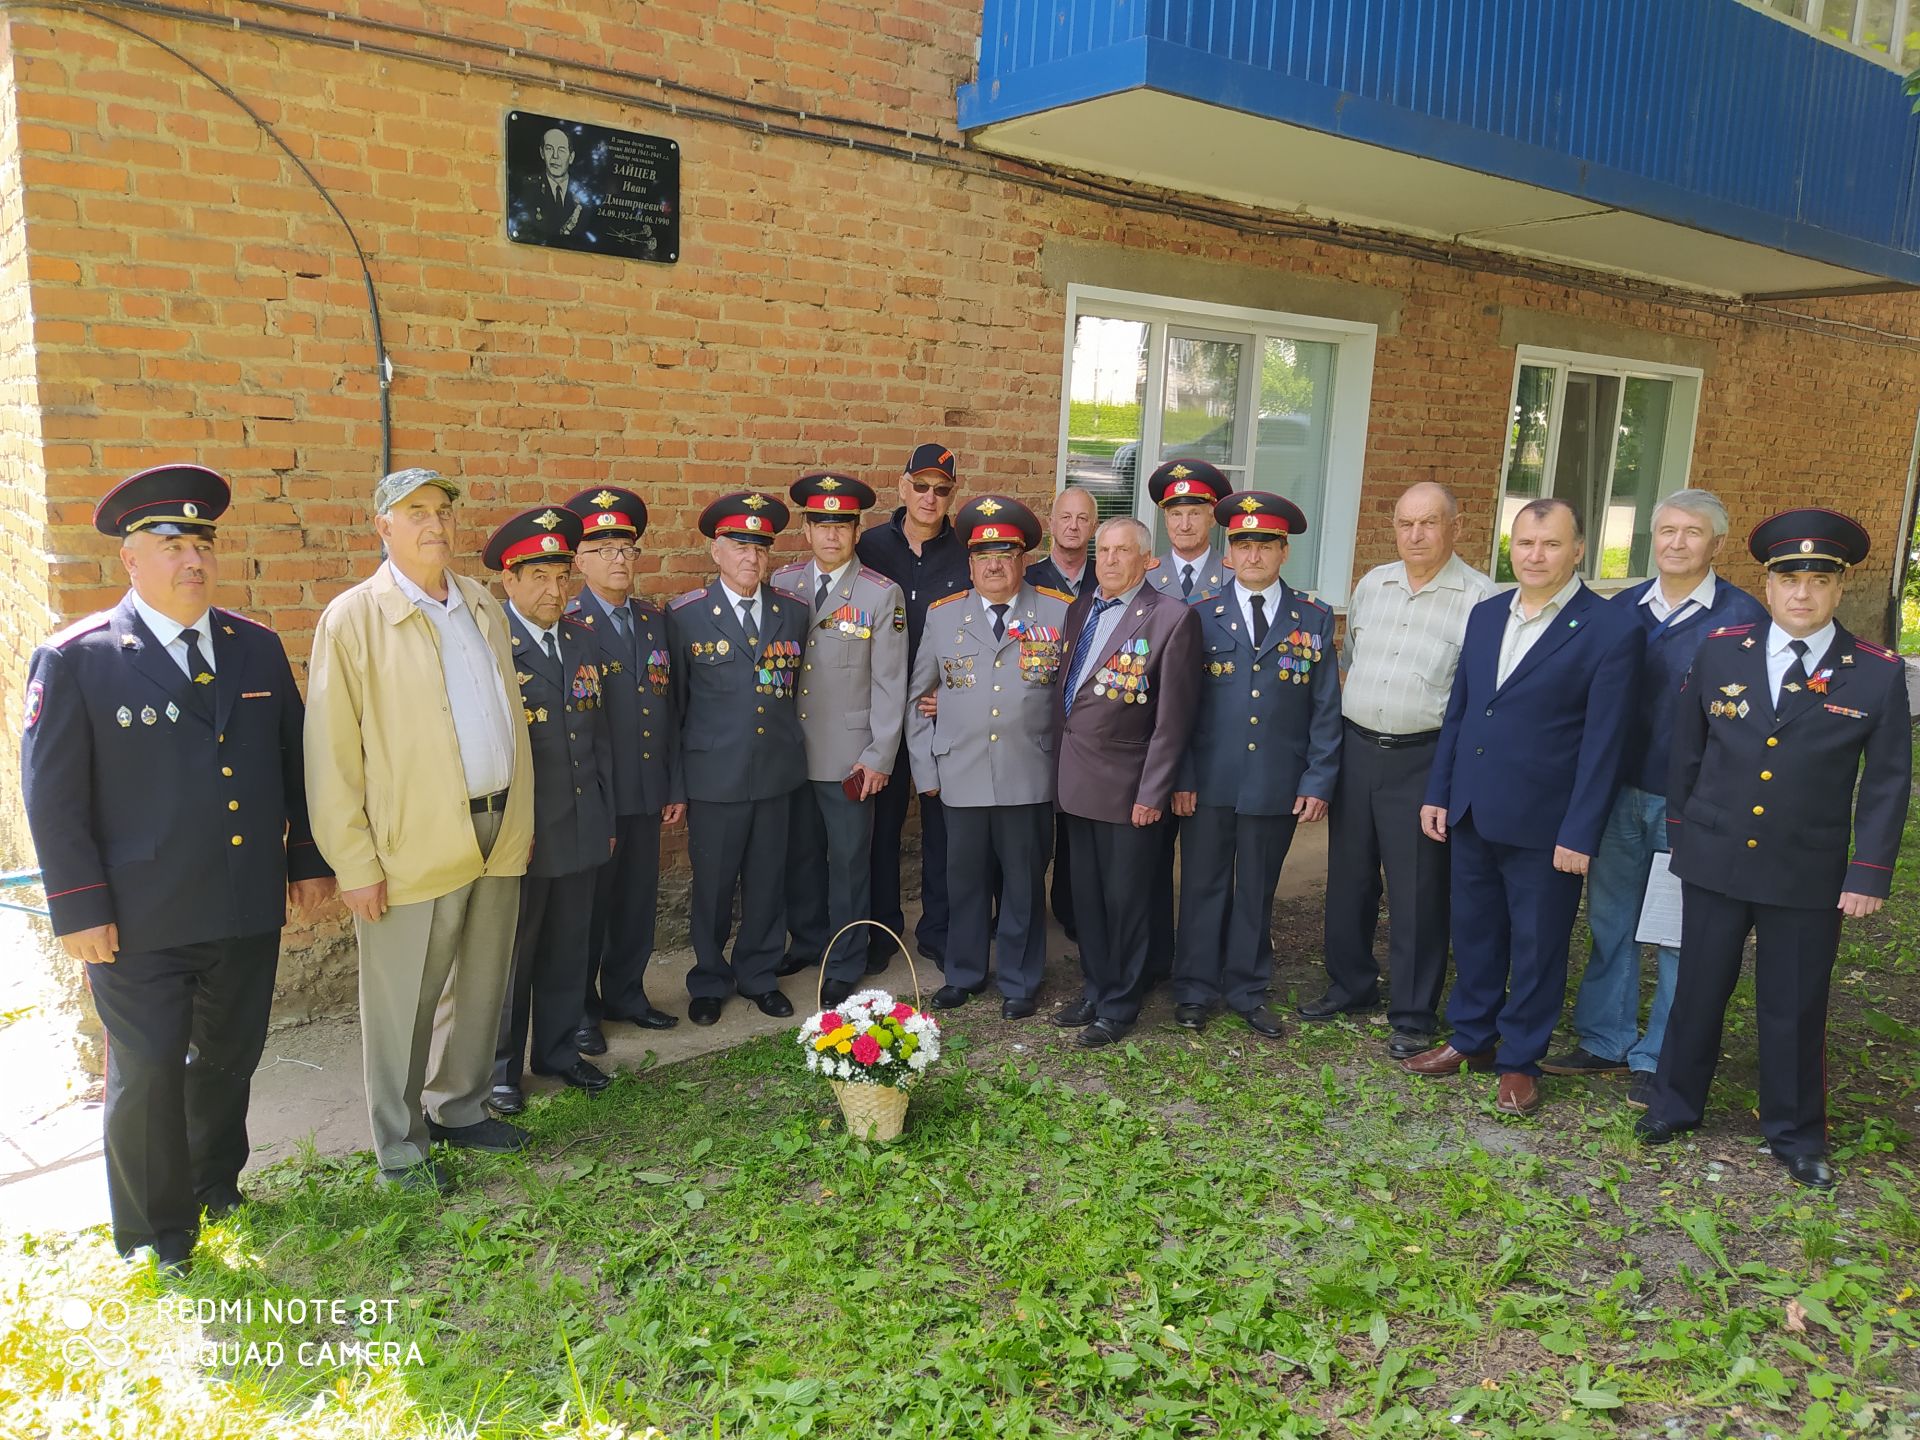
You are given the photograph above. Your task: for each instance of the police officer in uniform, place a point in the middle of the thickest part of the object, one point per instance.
(737, 646)
(557, 666)
(992, 656)
(162, 769)
(1263, 759)
(853, 683)
(1776, 724)
(629, 637)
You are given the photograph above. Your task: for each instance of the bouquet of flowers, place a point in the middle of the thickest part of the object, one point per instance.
(872, 1048)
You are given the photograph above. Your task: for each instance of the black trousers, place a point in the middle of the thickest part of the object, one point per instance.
(737, 846)
(1061, 890)
(889, 822)
(626, 894)
(1161, 939)
(830, 875)
(549, 972)
(1374, 832)
(1794, 952)
(1231, 869)
(1113, 867)
(998, 850)
(185, 1028)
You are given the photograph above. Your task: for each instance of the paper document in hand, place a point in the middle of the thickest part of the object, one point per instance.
(1660, 910)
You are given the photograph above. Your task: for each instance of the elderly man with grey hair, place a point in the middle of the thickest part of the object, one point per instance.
(1677, 608)
(420, 783)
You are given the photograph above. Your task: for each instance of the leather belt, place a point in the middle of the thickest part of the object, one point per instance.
(488, 804)
(1393, 742)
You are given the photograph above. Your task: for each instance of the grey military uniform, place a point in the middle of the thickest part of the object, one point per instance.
(989, 752)
(742, 755)
(852, 705)
(1210, 576)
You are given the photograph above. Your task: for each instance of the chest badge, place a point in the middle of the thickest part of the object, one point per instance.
(1732, 689)
(173, 712)
(147, 715)
(124, 716)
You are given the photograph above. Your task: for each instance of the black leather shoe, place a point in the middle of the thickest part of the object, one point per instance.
(1656, 1132)
(792, 964)
(1405, 1044)
(582, 1076)
(1811, 1171)
(832, 992)
(1640, 1089)
(506, 1100)
(1263, 1021)
(773, 1003)
(222, 1203)
(1190, 1017)
(428, 1175)
(951, 997)
(1582, 1061)
(495, 1137)
(1017, 1009)
(647, 1019)
(590, 1040)
(1331, 1006)
(704, 1010)
(1102, 1032)
(1072, 1017)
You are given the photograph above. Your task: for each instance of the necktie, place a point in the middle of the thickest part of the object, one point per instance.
(1083, 652)
(999, 621)
(1186, 582)
(746, 622)
(198, 671)
(820, 595)
(1259, 621)
(553, 651)
(622, 623)
(1796, 672)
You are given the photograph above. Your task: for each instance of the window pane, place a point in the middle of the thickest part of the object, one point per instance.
(1526, 453)
(1203, 394)
(1836, 18)
(1876, 24)
(1584, 446)
(1290, 441)
(1793, 9)
(1105, 403)
(1626, 534)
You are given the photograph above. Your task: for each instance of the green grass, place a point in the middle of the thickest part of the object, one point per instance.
(1181, 1237)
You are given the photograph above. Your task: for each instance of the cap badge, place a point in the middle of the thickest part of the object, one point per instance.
(990, 507)
(827, 482)
(604, 519)
(754, 502)
(606, 498)
(830, 502)
(1180, 472)
(1250, 522)
(752, 521)
(1806, 546)
(1182, 487)
(549, 543)
(190, 510)
(988, 532)
(1250, 504)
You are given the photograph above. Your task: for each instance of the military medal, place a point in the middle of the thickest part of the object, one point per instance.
(147, 715)
(124, 716)
(721, 647)
(173, 712)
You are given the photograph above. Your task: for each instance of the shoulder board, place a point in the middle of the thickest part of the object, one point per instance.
(243, 619)
(1197, 598)
(1317, 604)
(572, 619)
(1729, 630)
(1053, 594)
(788, 569)
(867, 572)
(644, 609)
(1875, 650)
(949, 599)
(686, 599)
(73, 632)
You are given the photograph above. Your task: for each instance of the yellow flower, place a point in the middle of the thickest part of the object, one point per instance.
(845, 1047)
(823, 1042)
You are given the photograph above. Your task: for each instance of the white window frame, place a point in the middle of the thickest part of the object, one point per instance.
(1354, 341)
(1676, 463)
(1892, 57)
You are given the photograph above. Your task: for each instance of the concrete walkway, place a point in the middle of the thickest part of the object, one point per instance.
(309, 1087)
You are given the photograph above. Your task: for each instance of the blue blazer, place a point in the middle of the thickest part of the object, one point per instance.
(1537, 760)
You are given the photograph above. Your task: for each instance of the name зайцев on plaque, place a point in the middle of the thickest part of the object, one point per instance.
(576, 186)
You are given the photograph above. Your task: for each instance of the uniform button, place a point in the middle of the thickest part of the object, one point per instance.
(1764, 774)
(996, 714)
(576, 789)
(1256, 669)
(809, 664)
(1759, 809)
(645, 711)
(221, 740)
(1753, 844)
(233, 804)
(998, 663)
(226, 770)
(1252, 746)
(759, 709)
(1256, 694)
(1489, 710)
(236, 839)
(996, 689)
(1253, 720)
(1772, 740)
(1479, 749)
(646, 755)
(572, 736)
(646, 734)
(759, 730)
(569, 709)
(993, 737)
(576, 764)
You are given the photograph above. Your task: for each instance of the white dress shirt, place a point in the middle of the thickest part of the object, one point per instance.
(1524, 631)
(1200, 565)
(1096, 640)
(1780, 656)
(1271, 597)
(1701, 596)
(751, 621)
(482, 722)
(834, 577)
(540, 636)
(168, 633)
(1403, 645)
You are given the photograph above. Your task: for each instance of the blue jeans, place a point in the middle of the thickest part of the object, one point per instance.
(1606, 1013)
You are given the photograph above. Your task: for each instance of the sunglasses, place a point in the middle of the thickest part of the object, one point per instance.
(921, 487)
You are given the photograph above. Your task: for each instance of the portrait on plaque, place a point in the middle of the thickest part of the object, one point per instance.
(575, 186)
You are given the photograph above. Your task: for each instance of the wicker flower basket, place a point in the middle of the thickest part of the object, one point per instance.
(873, 1112)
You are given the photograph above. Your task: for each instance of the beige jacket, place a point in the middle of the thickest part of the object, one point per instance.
(385, 787)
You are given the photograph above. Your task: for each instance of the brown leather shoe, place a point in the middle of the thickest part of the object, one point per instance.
(1445, 1060)
(1519, 1095)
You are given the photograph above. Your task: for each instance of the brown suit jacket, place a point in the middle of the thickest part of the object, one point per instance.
(1116, 754)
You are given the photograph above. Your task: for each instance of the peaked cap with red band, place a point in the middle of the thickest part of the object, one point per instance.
(829, 495)
(744, 515)
(996, 522)
(1810, 539)
(1259, 515)
(609, 510)
(1187, 482)
(164, 500)
(550, 533)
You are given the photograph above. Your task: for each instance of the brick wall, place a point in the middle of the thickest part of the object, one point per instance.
(191, 294)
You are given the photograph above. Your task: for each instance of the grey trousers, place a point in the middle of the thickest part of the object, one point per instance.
(433, 975)
(829, 876)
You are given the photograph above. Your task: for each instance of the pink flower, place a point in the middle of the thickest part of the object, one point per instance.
(902, 1011)
(830, 1022)
(866, 1049)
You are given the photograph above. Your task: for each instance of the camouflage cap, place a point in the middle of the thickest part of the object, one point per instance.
(402, 483)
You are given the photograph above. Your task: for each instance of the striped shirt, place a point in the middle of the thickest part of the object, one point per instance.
(1403, 645)
(482, 721)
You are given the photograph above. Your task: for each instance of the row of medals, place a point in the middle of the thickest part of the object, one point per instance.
(1123, 677)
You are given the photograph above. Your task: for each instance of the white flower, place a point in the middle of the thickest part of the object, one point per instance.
(919, 1060)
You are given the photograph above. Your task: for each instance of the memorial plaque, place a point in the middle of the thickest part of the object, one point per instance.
(575, 186)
